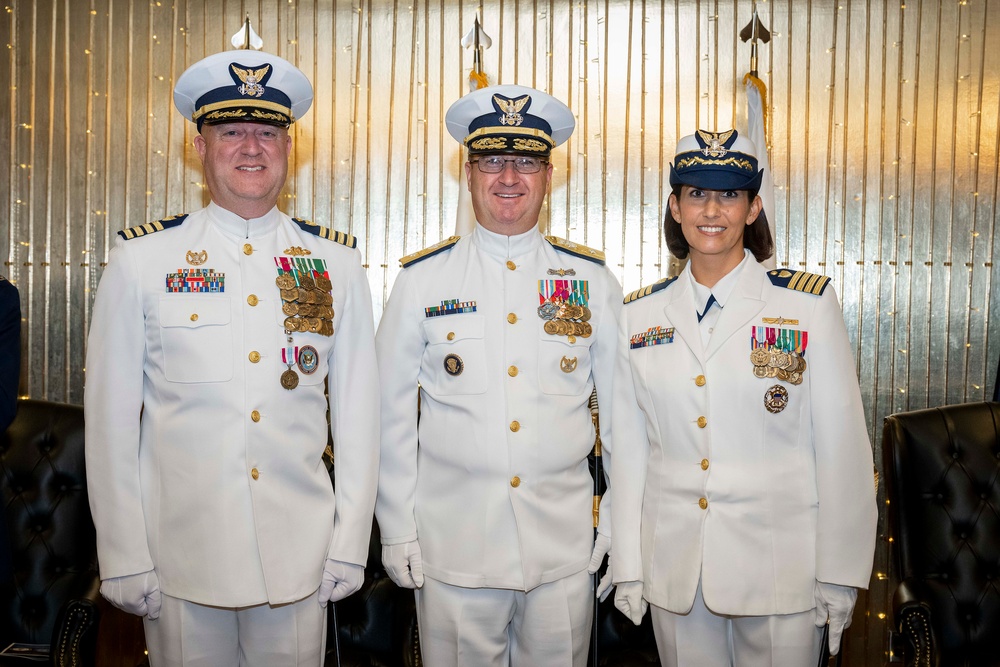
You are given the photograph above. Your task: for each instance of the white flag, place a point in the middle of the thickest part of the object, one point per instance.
(756, 134)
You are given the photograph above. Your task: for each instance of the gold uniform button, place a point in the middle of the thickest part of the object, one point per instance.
(253, 300)
(512, 371)
(703, 503)
(570, 339)
(511, 265)
(515, 426)
(194, 317)
(254, 357)
(247, 249)
(451, 335)
(704, 464)
(515, 481)
(255, 416)
(702, 422)
(254, 473)
(512, 318)
(700, 380)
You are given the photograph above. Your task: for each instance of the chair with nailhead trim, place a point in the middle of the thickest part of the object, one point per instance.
(49, 594)
(942, 470)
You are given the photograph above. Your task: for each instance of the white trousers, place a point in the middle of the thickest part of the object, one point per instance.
(193, 635)
(702, 638)
(491, 627)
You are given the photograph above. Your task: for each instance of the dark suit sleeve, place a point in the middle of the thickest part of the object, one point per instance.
(10, 352)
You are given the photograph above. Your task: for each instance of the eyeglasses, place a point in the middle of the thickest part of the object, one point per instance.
(523, 164)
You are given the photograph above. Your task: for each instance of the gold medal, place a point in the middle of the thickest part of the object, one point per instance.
(795, 377)
(289, 379)
(290, 294)
(586, 314)
(326, 329)
(291, 324)
(587, 330)
(550, 327)
(759, 357)
(323, 283)
(284, 281)
(306, 281)
(801, 368)
(781, 360)
(760, 371)
(781, 374)
(290, 308)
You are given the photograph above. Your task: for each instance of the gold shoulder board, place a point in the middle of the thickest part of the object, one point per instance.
(326, 233)
(800, 281)
(662, 283)
(429, 251)
(576, 249)
(151, 227)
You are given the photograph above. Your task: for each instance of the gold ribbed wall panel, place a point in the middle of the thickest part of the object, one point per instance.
(884, 143)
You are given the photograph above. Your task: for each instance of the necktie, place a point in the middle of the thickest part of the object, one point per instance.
(708, 306)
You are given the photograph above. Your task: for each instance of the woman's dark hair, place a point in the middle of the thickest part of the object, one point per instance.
(756, 237)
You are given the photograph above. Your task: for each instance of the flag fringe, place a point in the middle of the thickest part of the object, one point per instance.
(762, 89)
(477, 80)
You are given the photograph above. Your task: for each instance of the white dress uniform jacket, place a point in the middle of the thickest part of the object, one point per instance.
(199, 463)
(755, 504)
(498, 491)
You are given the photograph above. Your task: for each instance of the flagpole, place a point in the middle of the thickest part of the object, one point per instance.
(755, 32)
(478, 41)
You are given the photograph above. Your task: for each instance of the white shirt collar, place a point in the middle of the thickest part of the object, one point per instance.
(506, 247)
(234, 225)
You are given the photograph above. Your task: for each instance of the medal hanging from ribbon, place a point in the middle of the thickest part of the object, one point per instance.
(778, 353)
(289, 354)
(564, 306)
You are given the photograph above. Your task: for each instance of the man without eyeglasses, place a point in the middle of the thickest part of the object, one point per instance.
(486, 504)
(220, 340)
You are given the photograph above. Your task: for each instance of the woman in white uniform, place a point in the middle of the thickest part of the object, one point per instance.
(757, 505)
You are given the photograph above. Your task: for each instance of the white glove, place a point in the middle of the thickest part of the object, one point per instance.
(601, 547)
(137, 594)
(404, 564)
(836, 603)
(629, 600)
(340, 579)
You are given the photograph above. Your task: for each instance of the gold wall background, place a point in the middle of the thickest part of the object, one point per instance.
(883, 131)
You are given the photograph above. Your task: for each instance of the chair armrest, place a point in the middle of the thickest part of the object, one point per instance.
(912, 615)
(74, 637)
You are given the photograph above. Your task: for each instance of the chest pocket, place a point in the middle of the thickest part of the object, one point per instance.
(563, 367)
(197, 338)
(455, 357)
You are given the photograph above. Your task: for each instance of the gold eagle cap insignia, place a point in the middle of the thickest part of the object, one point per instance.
(511, 109)
(251, 79)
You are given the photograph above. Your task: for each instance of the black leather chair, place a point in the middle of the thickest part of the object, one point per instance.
(49, 596)
(942, 470)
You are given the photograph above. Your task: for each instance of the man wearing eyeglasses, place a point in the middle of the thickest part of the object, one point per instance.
(486, 505)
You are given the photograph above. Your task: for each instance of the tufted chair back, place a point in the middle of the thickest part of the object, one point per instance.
(48, 597)
(942, 469)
